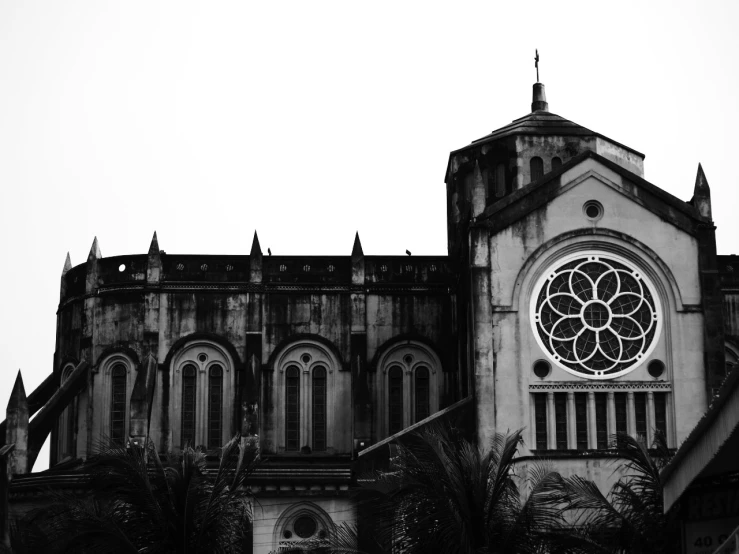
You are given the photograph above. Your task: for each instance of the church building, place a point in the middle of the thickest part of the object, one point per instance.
(576, 300)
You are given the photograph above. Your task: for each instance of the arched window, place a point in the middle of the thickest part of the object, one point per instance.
(395, 400)
(110, 398)
(422, 394)
(215, 407)
(305, 390)
(319, 409)
(300, 522)
(500, 184)
(556, 163)
(67, 423)
(537, 168)
(201, 395)
(189, 391)
(292, 409)
(408, 385)
(118, 404)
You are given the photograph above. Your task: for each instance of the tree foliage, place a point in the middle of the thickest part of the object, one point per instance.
(444, 495)
(630, 519)
(143, 504)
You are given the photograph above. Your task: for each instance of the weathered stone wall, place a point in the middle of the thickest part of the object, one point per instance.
(547, 147)
(728, 267)
(521, 247)
(116, 312)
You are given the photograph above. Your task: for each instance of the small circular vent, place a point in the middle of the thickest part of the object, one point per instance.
(593, 210)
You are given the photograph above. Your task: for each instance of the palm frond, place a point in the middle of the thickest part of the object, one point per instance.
(143, 503)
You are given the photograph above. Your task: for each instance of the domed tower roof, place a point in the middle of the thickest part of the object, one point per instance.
(538, 123)
(535, 144)
(541, 122)
(520, 154)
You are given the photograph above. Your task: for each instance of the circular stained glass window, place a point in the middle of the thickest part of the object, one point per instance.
(595, 315)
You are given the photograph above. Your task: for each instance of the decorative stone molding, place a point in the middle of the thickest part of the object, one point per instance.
(299, 522)
(410, 356)
(307, 355)
(101, 397)
(595, 315)
(203, 354)
(564, 386)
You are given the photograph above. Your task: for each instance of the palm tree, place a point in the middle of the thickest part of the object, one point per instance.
(443, 495)
(631, 517)
(143, 504)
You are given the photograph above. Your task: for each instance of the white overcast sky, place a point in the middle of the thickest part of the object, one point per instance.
(310, 120)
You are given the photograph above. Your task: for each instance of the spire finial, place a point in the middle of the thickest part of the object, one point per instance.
(702, 194)
(95, 253)
(357, 249)
(256, 250)
(154, 245)
(67, 265)
(536, 64)
(539, 101)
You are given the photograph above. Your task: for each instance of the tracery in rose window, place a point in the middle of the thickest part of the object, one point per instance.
(596, 315)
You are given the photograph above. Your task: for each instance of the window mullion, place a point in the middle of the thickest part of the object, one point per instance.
(571, 422)
(550, 422)
(592, 426)
(631, 413)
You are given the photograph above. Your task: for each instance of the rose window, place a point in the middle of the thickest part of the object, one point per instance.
(596, 315)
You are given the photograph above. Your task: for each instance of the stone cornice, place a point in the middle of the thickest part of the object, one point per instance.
(607, 386)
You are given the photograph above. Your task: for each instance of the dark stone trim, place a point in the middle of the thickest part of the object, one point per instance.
(115, 350)
(218, 339)
(596, 233)
(515, 206)
(270, 365)
(407, 337)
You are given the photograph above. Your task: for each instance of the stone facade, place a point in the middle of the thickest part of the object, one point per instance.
(323, 358)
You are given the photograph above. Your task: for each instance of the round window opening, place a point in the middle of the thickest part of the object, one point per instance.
(541, 369)
(305, 358)
(656, 368)
(305, 527)
(202, 358)
(593, 210)
(595, 315)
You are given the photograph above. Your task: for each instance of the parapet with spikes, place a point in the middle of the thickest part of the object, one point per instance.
(247, 272)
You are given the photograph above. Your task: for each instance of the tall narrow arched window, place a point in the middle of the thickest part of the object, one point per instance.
(500, 188)
(556, 163)
(201, 395)
(537, 168)
(292, 408)
(67, 422)
(395, 404)
(313, 415)
(189, 390)
(422, 394)
(409, 385)
(319, 409)
(215, 407)
(118, 404)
